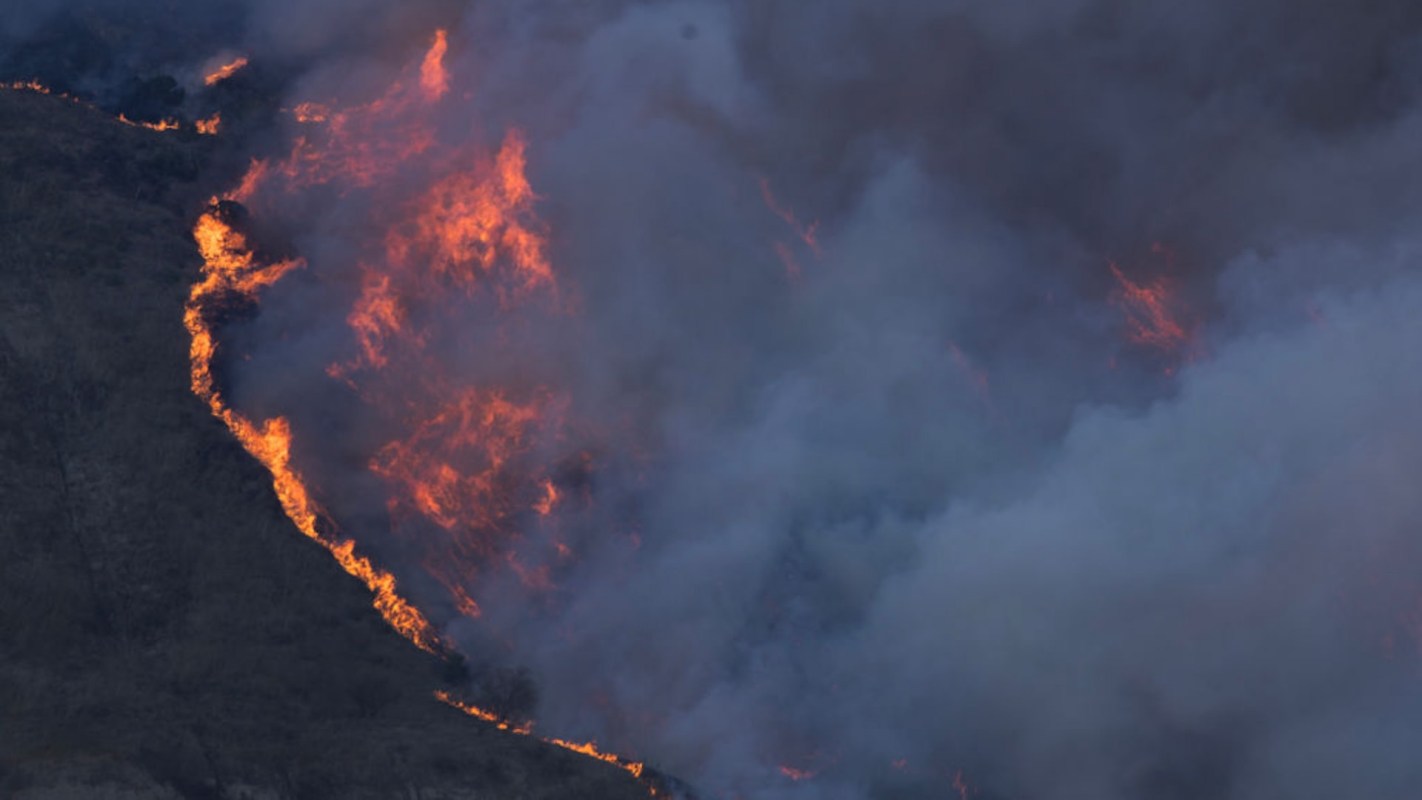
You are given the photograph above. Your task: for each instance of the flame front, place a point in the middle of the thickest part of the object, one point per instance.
(472, 229)
(636, 769)
(461, 460)
(230, 269)
(162, 125)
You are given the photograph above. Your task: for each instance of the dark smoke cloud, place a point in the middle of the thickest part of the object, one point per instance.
(1077, 576)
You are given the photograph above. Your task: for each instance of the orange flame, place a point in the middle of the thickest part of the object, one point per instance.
(456, 458)
(1153, 317)
(1147, 309)
(229, 267)
(311, 112)
(209, 126)
(590, 749)
(523, 728)
(31, 85)
(480, 430)
(474, 219)
(255, 175)
(161, 125)
(545, 504)
(377, 314)
(807, 234)
(364, 143)
(434, 80)
(636, 768)
(225, 71)
(474, 227)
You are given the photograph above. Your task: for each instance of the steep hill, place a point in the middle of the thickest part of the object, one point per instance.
(164, 631)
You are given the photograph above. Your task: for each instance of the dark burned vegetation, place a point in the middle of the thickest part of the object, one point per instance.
(163, 630)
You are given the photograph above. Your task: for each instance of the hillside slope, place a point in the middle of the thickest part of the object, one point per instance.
(164, 630)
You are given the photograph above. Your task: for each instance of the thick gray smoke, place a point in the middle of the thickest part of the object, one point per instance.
(908, 512)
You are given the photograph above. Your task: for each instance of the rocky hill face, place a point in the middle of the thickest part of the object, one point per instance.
(164, 631)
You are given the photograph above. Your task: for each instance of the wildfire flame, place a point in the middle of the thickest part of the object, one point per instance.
(434, 80)
(636, 769)
(460, 461)
(161, 125)
(27, 86)
(1154, 316)
(485, 425)
(230, 268)
(224, 71)
(473, 226)
(310, 112)
(209, 125)
(806, 234)
(36, 87)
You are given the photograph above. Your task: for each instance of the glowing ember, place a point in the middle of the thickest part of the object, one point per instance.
(474, 230)
(805, 233)
(358, 146)
(27, 86)
(960, 785)
(450, 467)
(224, 71)
(473, 221)
(377, 314)
(1153, 316)
(796, 774)
(975, 376)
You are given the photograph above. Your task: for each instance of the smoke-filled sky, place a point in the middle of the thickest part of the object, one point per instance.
(997, 400)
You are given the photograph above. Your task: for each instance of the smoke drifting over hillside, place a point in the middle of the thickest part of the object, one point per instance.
(901, 399)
